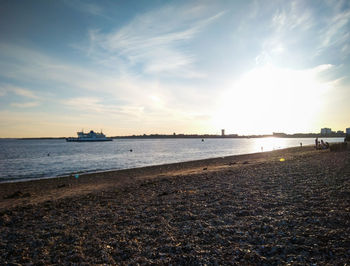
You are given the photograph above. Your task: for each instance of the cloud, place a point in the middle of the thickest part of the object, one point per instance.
(86, 7)
(25, 104)
(122, 89)
(95, 105)
(23, 92)
(287, 26)
(30, 66)
(294, 15)
(336, 32)
(302, 34)
(3, 92)
(152, 112)
(156, 40)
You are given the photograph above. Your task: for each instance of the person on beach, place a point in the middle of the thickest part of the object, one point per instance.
(316, 143)
(323, 145)
(347, 137)
(327, 145)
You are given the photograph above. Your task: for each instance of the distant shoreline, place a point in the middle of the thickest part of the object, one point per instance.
(183, 136)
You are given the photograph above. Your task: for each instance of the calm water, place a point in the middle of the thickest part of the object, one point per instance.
(27, 159)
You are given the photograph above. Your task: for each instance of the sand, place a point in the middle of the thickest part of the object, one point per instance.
(232, 210)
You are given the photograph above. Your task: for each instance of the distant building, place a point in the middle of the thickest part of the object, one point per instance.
(222, 132)
(340, 132)
(348, 131)
(326, 131)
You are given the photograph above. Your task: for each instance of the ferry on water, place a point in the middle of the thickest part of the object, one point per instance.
(91, 136)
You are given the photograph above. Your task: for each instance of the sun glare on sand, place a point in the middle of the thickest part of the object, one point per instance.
(269, 99)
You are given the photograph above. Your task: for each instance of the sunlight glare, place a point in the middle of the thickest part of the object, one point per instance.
(268, 144)
(269, 99)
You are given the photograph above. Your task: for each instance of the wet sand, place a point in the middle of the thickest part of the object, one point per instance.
(232, 210)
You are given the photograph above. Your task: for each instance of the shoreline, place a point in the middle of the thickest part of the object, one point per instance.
(233, 136)
(92, 172)
(46, 173)
(89, 172)
(31, 191)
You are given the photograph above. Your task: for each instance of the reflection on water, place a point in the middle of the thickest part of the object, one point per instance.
(271, 143)
(23, 159)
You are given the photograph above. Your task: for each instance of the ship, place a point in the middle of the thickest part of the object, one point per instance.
(91, 136)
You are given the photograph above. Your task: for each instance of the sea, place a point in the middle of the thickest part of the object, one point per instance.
(46, 158)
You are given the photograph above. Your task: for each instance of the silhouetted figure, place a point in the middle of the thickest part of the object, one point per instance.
(202, 139)
(347, 137)
(316, 143)
(301, 144)
(324, 145)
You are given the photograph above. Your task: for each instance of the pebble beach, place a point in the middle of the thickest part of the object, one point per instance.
(288, 206)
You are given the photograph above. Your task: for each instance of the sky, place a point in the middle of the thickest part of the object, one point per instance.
(193, 67)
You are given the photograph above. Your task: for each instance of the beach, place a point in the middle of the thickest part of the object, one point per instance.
(285, 206)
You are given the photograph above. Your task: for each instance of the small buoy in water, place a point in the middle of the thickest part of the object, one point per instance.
(130, 150)
(76, 176)
(282, 160)
(48, 154)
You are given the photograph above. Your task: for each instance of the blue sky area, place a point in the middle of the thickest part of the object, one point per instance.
(135, 67)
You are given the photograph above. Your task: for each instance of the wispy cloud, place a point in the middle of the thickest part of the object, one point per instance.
(285, 27)
(95, 105)
(156, 41)
(301, 32)
(126, 92)
(293, 15)
(23, 92)
(85, 6)
(25, 104)
(336, 32)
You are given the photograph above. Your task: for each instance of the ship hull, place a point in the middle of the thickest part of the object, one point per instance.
(87, 140)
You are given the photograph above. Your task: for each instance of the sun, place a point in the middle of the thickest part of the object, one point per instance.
(269, 99)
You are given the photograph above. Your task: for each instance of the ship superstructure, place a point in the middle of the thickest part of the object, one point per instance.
(91, 136)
